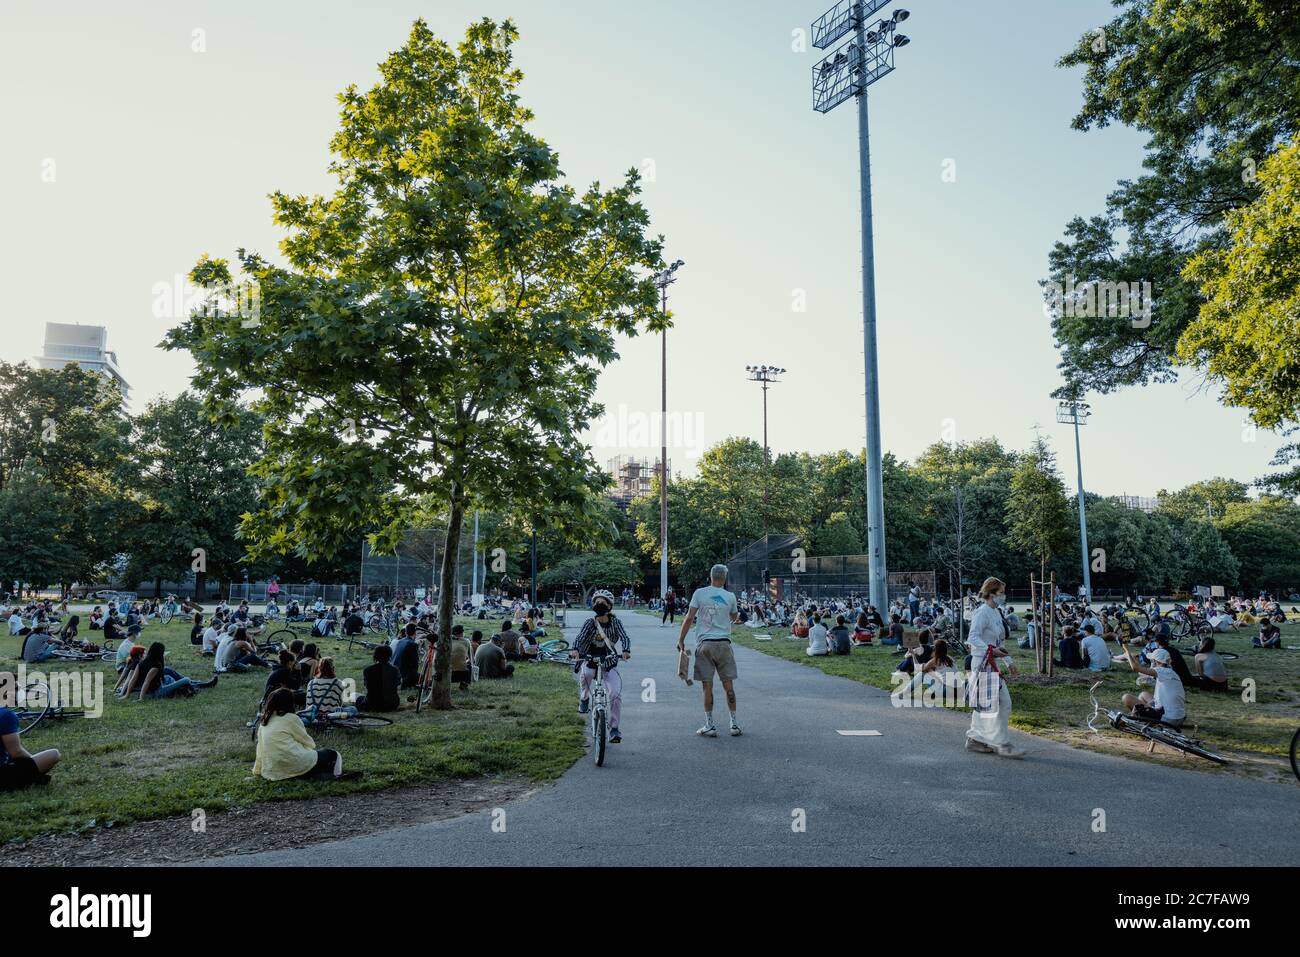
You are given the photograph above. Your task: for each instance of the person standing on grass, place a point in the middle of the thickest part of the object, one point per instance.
(713, 611)
(988, 632)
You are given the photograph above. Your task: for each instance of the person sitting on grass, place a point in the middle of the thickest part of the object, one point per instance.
(863, 631)
(406, 656)
(19, 768)
(937, 668)
(134, 655)
(16, 625)
(212, 638)
(68, 633)
(1070, 649)
(491, 661)
(285, 750)
(382, 683)
(36, 646)
(895, 636)
(1093, 650)
(461, 656)
(918, 655)
(96, 618)
(307, 657)
(841, 639)
(1270, 636)
(285, 675)
(1209, 673)
(196, 630)
(236, 653)
(1167, 705)
(1031, 631)
(510, 642)
(154, 679)
(325, 692)
(818, 647)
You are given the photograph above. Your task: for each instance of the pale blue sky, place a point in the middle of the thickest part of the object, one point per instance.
(161, 154)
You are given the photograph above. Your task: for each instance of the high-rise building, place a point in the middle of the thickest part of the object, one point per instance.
(87, 346)
(633, 477)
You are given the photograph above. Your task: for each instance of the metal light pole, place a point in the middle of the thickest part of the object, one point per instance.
(1073, 412)
(473, 588)
(663, 280)
(842, 75)
(765, 376)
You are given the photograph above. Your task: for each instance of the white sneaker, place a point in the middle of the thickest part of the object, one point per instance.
(1008, 751)
(708, 731)
(735, 730)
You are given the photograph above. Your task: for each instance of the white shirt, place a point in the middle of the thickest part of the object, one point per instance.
(15, 623)
(714, 608)
(1098, 654)
(986, 632)
(211, 638)
(226, 653)
(817, 640)
(1169, 694)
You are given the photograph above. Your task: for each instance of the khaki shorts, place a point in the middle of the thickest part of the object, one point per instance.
(715, 659)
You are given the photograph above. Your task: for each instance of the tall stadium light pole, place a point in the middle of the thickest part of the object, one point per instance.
(663, 280)
(1073, 412)
(840, 76)
(474, 578)
(765, 376)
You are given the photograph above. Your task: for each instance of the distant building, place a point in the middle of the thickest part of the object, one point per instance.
(1138, 503)
(87, 346)
(633, 477)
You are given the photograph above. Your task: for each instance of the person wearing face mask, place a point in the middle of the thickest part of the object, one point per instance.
(990, 713)
(602, 637)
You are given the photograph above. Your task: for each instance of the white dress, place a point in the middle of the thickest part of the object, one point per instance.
(988, 726)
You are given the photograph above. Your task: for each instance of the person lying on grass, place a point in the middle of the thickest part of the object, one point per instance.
(152, 678)
(19, 768)
(285, 750)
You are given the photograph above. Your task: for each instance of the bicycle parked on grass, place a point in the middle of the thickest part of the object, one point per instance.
(1154, 732)
(168, 609)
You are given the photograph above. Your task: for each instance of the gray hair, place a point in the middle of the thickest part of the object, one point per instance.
(718, 571)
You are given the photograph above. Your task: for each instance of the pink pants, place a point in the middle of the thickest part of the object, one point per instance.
(613, 685)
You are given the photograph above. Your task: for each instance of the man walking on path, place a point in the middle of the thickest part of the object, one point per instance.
(713, 611)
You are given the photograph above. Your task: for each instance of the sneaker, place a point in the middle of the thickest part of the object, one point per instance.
(208, 684)
(615, 737)
(584, 706)
(735, 730)
(708, 731)
(978, 746)
(1008, 751)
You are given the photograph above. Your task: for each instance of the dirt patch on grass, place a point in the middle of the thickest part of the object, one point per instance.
(265, 827)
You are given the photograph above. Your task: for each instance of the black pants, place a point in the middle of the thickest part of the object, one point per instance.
(669, 611)
(326, 758)
(19, 773)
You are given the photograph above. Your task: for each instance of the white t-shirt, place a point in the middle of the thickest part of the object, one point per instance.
(1169, 694)
(211, 638)
(227, 652)
(15, 623)
(1098, 654)
(714, 608)
(817, 640)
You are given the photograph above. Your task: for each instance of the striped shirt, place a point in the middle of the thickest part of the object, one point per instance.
(588, 641)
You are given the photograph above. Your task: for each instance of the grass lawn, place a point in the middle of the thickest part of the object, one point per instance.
(151, 759)
(1255, 736)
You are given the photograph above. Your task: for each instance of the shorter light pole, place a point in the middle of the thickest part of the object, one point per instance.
(1073, 412)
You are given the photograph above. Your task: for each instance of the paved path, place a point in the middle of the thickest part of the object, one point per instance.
(910, 796)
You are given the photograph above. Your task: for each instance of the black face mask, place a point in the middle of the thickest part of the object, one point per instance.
(600, 608)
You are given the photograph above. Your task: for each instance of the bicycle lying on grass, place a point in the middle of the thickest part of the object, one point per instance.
(1295, 755)
(1152, 731)
(35, 704)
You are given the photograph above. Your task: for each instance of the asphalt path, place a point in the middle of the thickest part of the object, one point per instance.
(793, 791)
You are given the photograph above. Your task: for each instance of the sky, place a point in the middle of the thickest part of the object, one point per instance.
(137, 136)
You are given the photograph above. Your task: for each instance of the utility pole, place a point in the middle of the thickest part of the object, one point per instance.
(663, 280)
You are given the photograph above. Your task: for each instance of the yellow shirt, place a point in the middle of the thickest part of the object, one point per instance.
(284, 749)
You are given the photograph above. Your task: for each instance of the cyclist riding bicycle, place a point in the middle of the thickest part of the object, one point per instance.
(602, 637)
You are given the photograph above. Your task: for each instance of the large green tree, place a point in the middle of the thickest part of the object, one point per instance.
(442, 319)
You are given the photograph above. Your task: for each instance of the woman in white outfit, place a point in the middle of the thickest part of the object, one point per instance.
(988, 728)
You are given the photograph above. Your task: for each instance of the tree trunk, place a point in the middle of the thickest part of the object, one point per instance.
(200, 585)
(157, 586)
(441, 698)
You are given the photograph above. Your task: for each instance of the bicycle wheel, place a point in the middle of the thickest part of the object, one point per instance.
(360, 721)
(1295, 755)
(281, 636)
(1229, 655)
(424, 690)
(1179, 626)
(598, 735)
(33, 707)
(164, 615)
(554, 644)
(1138, 617)
(65, 654)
